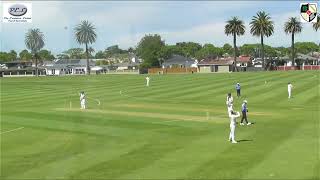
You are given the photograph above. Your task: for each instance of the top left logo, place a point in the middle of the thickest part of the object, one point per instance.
(18, 10)
(17, 13)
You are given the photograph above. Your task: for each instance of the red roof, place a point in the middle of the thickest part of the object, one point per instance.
(224, 61)
(244, 59)
(240, 58)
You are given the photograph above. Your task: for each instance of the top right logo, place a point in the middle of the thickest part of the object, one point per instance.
(308, 12)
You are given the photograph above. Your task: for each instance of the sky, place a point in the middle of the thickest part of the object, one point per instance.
(124, 23)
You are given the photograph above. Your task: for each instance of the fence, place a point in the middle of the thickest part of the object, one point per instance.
(254, 69)
(311, 67)
(20, 72)
(120, 72)
(287, 68)
(306, 67)
(172, 70)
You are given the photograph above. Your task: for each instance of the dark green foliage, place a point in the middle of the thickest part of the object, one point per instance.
(149, 49)
(24, 55)
(45, 55)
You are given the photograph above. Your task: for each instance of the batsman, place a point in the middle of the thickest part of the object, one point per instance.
(82, 100)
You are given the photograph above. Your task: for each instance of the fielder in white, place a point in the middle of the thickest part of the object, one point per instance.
(82, 100)
(148, 79)
(229, 102)
(233, 117)
(289, 89)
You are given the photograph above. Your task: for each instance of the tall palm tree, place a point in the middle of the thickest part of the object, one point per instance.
(261, 25)
(236, 28)
(316, 25)
(34, 40)
(85, 34)
(292, 26)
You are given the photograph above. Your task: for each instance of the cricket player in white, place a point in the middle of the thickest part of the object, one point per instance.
(233, 117)
(229, 102)
(289, 89)
(148, 79)
(82, 100)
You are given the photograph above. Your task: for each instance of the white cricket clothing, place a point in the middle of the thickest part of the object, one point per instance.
(83, 101)
(230, 99)
(229, 103)
(148, 79)
(289, 90)
(233, 117)
(233, 125)
(230, 107)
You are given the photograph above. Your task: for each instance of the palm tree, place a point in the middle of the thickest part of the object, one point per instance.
(34, 40)
(90, 51)
(261, 25)
(236, 28)
(85, 34)
(292, 26)
(316, 25)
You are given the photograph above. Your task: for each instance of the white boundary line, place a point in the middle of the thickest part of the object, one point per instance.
(11, 130)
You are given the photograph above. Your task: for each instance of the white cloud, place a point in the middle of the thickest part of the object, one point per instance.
(205, 33)
(125, 23)
(122, 16)
(214, 33)
(49, 13)
(281, 38)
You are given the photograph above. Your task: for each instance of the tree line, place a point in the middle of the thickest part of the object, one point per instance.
(25, 55)
(186, 49)
(153, 50)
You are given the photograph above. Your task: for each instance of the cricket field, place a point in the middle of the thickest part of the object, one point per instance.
(175, 129)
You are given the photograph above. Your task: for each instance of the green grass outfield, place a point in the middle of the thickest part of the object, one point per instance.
(176, 128)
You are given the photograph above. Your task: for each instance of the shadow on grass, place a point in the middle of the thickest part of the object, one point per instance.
(252, 123)
(244, 140)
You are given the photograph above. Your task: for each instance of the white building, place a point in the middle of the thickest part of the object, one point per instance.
(66, 66)
(126, 66)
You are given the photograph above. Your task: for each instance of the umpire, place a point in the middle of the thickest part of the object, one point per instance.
(238, 88)
(244, 111)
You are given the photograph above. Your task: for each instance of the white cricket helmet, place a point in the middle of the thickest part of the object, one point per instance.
(245, 101)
